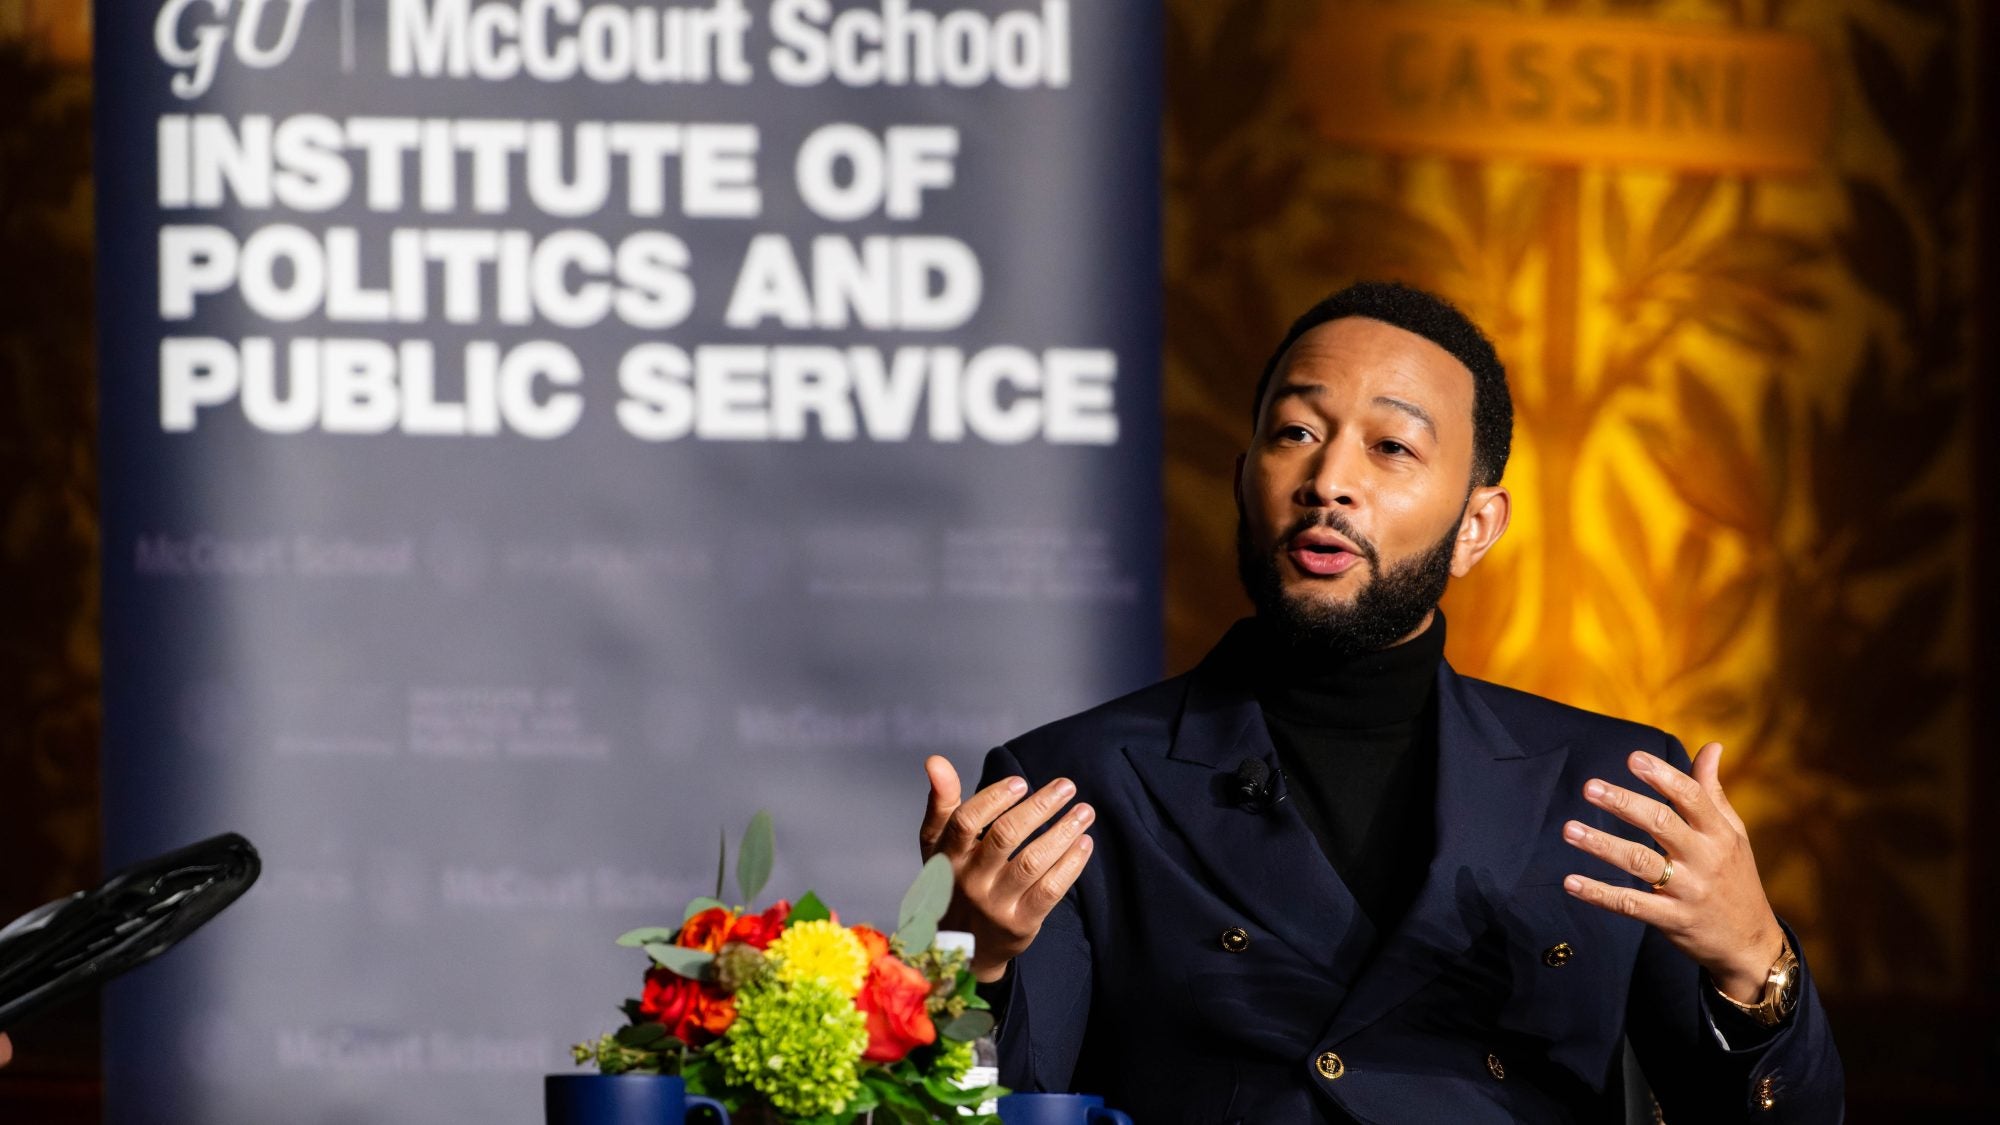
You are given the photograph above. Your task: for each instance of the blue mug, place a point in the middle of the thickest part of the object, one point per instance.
(1057, 1109)
(621, 1099)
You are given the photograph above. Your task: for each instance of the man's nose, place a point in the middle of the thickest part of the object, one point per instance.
(1335, 478)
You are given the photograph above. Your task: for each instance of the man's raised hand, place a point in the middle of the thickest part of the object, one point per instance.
(1001, 890)
(1710, 903)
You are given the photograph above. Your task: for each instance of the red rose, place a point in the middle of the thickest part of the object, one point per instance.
(893, 997)
(706, 930)
(758, 931)
(693, 1011)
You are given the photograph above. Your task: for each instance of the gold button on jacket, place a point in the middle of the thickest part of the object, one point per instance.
(1236, 939)
(1330, 1066)
(1495, 1067)
(1558, 955)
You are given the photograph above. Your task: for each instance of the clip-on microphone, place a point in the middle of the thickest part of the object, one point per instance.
(1255, 787)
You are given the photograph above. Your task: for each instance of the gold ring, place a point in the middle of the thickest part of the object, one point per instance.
(1666, 873)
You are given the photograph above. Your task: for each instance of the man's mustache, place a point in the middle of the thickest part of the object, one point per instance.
(1328, 517)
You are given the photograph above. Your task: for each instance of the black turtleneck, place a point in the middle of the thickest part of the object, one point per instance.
(1357, 739)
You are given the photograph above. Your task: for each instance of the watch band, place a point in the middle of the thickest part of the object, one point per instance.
(1779, 995)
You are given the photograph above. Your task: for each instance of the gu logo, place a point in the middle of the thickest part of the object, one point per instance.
(194, 44)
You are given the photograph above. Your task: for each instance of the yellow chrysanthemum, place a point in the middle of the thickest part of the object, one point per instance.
(822, 951)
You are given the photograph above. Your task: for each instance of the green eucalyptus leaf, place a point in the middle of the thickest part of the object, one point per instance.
(755, 856)
(968, 1025)
(917, 936)
(639, 938)
(926, 900)
(697, 906)
(679, 960)
(808, 909)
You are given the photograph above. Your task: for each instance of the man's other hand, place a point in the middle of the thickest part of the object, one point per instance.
(1002, 891)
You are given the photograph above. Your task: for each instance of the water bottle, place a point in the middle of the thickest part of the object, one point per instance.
(985, 1070)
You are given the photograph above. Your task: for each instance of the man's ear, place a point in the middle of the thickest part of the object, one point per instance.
(1482, 525)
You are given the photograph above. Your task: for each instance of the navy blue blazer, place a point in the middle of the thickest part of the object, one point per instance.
(1136, 987)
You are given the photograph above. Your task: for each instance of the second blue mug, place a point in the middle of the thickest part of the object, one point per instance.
(622, 1099)
(1057, 1109)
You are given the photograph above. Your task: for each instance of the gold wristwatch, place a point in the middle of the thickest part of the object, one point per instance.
(1781, 991)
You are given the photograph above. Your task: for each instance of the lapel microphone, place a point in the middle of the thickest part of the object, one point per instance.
(1255, 787)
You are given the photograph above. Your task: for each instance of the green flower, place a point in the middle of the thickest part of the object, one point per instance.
(954, 1059)
(798, 1045)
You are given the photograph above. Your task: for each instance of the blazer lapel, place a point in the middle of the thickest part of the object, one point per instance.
(1266, 864)
(1493, 795)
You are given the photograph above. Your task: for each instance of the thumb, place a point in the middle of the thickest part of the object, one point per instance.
(1708, 772)
(945, 787)
(943, 802)
(1707, 766)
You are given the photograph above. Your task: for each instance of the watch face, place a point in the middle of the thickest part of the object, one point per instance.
(1788, 992)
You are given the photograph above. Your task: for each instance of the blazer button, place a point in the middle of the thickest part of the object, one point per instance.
(1236, 939)
(1495, 1067)
(1766, 1100)
(1558, 955)
(1330, 1066)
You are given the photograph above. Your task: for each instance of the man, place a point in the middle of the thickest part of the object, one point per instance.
(1322, 877)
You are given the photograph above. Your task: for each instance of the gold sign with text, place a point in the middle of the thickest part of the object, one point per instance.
(1568, 90)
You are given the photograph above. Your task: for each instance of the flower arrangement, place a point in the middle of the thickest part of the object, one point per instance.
(789, 1013)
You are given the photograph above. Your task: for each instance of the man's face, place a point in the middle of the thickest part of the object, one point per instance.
(1355, 498)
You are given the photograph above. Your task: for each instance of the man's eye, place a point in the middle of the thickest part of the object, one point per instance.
(1393, 448)
(1294, 433)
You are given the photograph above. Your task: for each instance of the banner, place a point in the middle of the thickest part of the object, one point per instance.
(539, 433)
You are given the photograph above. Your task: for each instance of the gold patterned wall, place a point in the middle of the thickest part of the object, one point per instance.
(48, 462)
(49, 649)
(1743, 471)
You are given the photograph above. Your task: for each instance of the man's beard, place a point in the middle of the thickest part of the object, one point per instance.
(1386, 610)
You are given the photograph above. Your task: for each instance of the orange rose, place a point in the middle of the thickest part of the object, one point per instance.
(694, 1012)
(894, 997)
(707, 930)
(872, 940)
(758, 931)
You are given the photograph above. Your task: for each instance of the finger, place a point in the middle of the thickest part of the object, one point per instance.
(1685, 792)
(1628, 856)
(1043, 896)
(1652, 909)
(1035, 860)
(945, 791)
(1659, 821)
(1708, 771)
(961, 833)
(1012, 830)
(6, 1049)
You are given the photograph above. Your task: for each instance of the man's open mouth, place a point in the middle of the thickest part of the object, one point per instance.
(1320, 556)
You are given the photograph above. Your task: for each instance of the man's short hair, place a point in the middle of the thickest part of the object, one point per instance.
(1440, 322)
